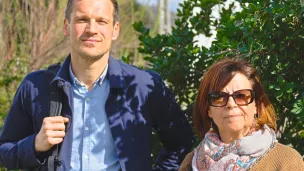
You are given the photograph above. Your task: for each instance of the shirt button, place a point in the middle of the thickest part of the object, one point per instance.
(86, 128)
(72, 164)
(87, 99)
(86, 156)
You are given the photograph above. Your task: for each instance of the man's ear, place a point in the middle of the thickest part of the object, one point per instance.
(66, 28)
(116, 31)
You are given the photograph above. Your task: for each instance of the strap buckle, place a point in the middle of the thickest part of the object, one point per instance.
(58, 162)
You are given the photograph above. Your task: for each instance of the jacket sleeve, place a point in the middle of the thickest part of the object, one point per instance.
(17, 135)
(172, 127)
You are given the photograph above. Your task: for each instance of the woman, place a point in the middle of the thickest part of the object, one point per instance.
(237, 121)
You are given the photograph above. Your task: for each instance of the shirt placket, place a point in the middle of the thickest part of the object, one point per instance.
(86, 135)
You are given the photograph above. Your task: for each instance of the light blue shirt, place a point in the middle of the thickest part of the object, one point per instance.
(88, 144)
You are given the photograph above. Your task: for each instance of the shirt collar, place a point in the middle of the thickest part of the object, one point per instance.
(99, 81)
(114, 73)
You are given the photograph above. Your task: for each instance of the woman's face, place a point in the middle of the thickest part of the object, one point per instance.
(233, 118)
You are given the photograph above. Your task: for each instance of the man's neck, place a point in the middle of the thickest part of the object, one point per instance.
(87, 72)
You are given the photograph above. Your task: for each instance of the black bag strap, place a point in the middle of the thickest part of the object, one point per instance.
(54, 92)
(55, 98)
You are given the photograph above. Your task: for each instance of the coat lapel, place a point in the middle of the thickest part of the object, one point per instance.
(114, 109)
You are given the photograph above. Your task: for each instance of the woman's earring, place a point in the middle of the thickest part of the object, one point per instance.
(211, 127)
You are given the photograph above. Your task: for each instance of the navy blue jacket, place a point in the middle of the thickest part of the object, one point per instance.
(138, 102)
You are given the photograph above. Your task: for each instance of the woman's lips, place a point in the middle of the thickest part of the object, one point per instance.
(231, 116)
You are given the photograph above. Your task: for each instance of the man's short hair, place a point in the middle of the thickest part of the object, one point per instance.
(69, 7)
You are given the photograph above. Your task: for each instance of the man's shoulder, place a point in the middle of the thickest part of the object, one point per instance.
(144, 75)
(35, 76)
(35, 79)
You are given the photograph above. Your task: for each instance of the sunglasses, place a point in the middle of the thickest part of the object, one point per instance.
(240, 97)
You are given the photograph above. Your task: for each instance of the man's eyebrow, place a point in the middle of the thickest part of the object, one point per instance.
(82, 15)
(102, 18)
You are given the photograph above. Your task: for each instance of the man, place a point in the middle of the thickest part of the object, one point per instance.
(109, 107)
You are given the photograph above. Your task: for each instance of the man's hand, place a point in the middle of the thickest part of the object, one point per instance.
(52, 132)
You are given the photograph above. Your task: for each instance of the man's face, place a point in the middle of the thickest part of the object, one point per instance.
(91, 28)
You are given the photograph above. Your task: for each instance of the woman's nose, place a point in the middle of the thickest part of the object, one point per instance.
(231, 103)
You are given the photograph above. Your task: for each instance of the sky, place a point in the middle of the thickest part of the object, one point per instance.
(173, 3)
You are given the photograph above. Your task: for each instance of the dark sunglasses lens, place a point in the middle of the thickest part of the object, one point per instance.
(242, 97)
(217, 99)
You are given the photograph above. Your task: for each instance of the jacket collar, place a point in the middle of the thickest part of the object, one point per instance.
(115, 73)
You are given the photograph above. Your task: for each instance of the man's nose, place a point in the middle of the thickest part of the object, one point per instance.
(92, 27)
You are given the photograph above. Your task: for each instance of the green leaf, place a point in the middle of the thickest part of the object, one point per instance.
(298, 107)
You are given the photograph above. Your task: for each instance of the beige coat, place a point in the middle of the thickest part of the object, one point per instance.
(279, 158)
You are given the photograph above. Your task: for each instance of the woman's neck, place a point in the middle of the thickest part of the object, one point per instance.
(228, 137)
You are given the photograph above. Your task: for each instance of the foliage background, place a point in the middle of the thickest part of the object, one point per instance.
(270, 34)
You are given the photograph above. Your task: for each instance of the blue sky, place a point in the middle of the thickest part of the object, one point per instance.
(173, 3)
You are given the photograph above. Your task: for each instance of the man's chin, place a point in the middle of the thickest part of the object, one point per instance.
(92, 56)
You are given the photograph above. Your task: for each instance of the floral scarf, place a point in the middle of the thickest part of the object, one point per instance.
(214, 155)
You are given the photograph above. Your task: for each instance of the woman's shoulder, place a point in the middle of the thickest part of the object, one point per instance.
(281, 150)
(187, 162)
(281, 157)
